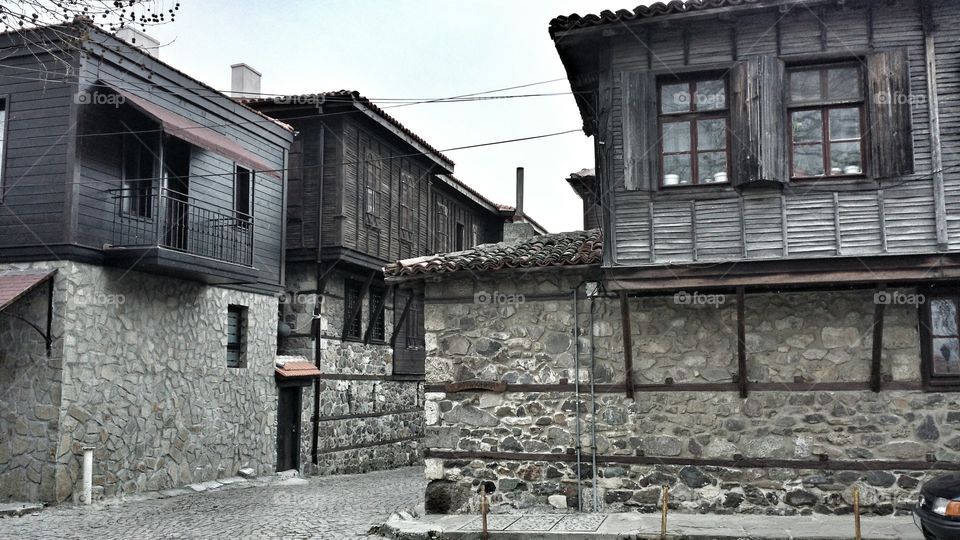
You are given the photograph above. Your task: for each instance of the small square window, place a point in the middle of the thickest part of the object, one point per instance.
(236, 336)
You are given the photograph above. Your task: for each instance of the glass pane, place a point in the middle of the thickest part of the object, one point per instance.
(676, 170)
(676, 137)
(808, 160)
(845, 158)
(675, 98)
(843, 83)
(711, 95)
(712, 134)
(712, 167)
(844, 124)
(946, 356)
(943, 312)
(805, 85)
(807, 126)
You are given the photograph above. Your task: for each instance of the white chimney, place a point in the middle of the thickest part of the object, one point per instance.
(244, 81)
(140, 40)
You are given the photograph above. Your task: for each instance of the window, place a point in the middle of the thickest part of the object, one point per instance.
(243, 196)
(377, 319)
(826, 110)
(941, 340)
(3, 139)
(139, 169)
(371, 204)
(406, 205)
(441, 235)
(460, 238)
(352, 312)
(693, 131)
(475, 235)
(236, 336)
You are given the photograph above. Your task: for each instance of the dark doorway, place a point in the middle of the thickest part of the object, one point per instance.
(288, 428)
(176, 192)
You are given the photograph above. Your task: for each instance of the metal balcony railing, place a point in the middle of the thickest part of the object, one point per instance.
(146, 216)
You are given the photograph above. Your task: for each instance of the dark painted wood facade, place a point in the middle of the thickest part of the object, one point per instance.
(904, 202)
(69, 134)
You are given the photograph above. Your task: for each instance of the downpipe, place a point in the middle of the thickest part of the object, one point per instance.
(593, 401)
(576, 386)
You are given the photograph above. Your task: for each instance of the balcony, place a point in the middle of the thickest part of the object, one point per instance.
(168, 232)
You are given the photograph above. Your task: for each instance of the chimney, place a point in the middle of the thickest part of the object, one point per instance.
(140, 40)
(244, 81)
(518, 228)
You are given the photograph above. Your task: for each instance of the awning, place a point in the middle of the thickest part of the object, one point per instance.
(15, 286)
(296, 369)
(196, 134)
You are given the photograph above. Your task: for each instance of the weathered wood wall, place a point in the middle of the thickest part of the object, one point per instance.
(874, 217)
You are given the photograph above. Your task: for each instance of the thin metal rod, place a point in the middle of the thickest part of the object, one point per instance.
(593, 401)
(576, 386)
(663, 512)
(856, 513)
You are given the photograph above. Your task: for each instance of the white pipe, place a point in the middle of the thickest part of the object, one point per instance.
(87, 474)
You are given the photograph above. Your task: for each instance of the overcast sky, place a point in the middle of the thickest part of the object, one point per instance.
(414, 49)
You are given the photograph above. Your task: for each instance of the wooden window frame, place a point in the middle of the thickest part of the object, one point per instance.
(460, 237)
(442, 235)
(377, 325)
(125, 182)
(692, 117)
(4, 132)
(349, 307)
(244, 219)
(932, 382)
(240, 346)
(825, 106)
(372, 194)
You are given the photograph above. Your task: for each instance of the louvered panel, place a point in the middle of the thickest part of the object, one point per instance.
(909, 211)
(859, 223)
(632, 225)
(718, 229)
(763, 223)
(672, 228)
(810, 224)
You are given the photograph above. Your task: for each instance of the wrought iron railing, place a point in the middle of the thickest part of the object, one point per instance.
(145, 216)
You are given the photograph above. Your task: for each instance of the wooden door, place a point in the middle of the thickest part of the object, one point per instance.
(288, 429)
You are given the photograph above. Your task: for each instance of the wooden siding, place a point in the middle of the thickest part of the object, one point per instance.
(36, 167)
(888, 216)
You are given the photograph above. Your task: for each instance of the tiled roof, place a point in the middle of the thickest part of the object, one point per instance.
(571, 22)
(16, 286)
(287, 368)
(549, 250)
(343, 96)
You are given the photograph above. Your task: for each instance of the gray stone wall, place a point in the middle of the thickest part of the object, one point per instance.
(811, 336)
(29, 398)
(368, 420)
(144, 380)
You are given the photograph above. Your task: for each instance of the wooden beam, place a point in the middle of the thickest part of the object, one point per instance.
(741, 345)
(695, 387)
(627, 345)
(875, 366)
(933, 109)
(403, 319)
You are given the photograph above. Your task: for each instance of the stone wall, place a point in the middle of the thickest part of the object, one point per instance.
(685, 438)
(368, 420)
(144, 380)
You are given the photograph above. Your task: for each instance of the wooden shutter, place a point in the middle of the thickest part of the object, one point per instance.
(889, 129)
(640, 142)
(409, 352)
(758, 122)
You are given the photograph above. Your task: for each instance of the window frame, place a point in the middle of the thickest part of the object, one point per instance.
(377, 326)
(691, 117)
(126, 192)
(240, 346)
(825, 106)
(407, 218)
(441, 234)
(251, 186)
(4, 133)
(932, 381)
(460, 237)
(372, 193)
(350, 285)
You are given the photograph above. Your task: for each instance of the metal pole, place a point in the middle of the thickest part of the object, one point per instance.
(87, 474)
(663, 513)
(519, 209)
(856, 512)
(593, 400)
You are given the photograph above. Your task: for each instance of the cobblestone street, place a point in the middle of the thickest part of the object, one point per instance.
(323, 507)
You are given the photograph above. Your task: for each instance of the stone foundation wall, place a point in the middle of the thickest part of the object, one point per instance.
(368, 420)
(689, 439)
(144, 380)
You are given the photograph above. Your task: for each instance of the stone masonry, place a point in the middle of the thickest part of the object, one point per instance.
(809, 336)
(138, 371)
(368, 420)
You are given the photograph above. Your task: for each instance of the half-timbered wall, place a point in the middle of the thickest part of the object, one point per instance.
(868, 217)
